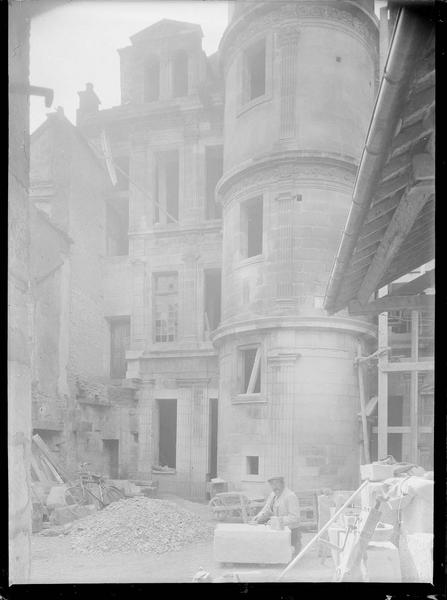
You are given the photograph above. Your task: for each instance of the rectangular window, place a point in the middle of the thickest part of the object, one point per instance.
(214, 170)
(166, 187)
(167, 433)
(165, 307)
(251, 228)
(251, 370)
(122, 172)
(255, 63)
(212, 293)
(119, 343)
(117, 226)
(252, 465)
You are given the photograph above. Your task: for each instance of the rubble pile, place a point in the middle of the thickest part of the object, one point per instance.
(139, 524)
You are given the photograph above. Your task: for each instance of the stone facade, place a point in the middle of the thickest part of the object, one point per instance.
(79, 411)
(235, 175)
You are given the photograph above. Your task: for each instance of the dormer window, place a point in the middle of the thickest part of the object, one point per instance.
(151, 79)
(180, 74)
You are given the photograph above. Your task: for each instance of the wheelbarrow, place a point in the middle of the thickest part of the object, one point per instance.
(234, 507)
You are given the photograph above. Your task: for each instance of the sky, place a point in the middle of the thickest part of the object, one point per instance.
(77, 42)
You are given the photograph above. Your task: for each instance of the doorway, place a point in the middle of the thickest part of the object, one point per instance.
(111, 458)
(167, 445)
(212, 453)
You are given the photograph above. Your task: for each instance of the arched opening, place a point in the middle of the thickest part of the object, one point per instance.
(151, 79)
(180, 74)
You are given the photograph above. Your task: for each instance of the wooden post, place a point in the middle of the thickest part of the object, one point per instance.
(363, 405)
(382, 406)
(414, 388)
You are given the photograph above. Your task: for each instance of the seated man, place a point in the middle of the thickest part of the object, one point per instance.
(284, 504)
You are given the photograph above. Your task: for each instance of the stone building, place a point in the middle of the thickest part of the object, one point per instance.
(232, 180)
(79, 405)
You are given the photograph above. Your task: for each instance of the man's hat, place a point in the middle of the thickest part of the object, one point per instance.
(276, 477)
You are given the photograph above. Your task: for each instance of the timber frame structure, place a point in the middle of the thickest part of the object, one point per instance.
(384, 267)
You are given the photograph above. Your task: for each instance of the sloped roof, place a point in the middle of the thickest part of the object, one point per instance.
(165, 28)
(390, 228)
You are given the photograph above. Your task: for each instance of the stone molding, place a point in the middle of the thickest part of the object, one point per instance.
(277, 358)
(286, 167)
(188, 382)
(269, 16)
(343, 324)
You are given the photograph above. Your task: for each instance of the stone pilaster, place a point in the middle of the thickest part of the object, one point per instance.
(287, 41)
(285, 208)
(137, 199)
(145, 429)
(189, 296)
(138, 333)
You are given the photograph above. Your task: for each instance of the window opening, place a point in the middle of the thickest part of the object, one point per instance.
(212, 300)
(117, 226)
(166, 186)
(119, 343)
(214, 170)
(251, 227)
(180, 74)
(252, 465)
(251, 370)
(166, 307)
(152, 79)
(255, 67)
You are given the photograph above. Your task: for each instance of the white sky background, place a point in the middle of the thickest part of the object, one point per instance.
(77, 43)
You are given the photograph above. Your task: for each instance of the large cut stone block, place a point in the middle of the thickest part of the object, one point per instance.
(240, 543)
(383, 564)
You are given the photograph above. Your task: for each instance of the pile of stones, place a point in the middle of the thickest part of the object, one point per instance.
(138, 524)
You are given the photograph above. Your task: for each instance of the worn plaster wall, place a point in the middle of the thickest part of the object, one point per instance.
(18, 353)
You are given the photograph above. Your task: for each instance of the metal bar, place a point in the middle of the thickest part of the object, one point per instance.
(323, 529)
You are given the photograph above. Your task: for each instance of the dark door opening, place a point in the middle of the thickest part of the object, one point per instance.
(111, 457)
(212, 468)
(167, 446)
(119, 343)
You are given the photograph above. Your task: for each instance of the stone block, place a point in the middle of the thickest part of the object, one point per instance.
(383, 564)
(241, 543)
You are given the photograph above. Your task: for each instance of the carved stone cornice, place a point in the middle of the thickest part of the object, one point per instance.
(270, 16)
(286, 167)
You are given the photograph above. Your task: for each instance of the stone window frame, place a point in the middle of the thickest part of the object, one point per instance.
(241, 397)
(245, 104)
(243, 238)
(156, 294)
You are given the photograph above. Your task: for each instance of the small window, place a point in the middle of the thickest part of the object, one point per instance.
(251, 374)
(167, 433)
(165, 307)
(251, 228)
(255, 70)
(252, 465)
(151, 79)
(180, 74)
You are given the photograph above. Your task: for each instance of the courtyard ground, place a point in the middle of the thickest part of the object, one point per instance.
(54, 561)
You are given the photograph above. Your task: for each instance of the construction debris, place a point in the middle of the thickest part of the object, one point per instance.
(139, 524)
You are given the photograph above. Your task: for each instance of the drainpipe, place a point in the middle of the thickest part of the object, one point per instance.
(408, 38)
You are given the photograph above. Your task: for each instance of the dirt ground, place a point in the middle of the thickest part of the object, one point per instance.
(54, 561)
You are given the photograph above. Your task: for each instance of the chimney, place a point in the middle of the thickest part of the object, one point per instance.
(88, 103)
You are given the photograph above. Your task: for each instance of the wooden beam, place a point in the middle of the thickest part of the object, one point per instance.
(418, 285)
(254, 372)
(404, 429)
(414, 388)
(363, 405)
(403, 220)
(382, 376)
(397, 367)
(396, 165)
(390, 302)
(392, 186)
